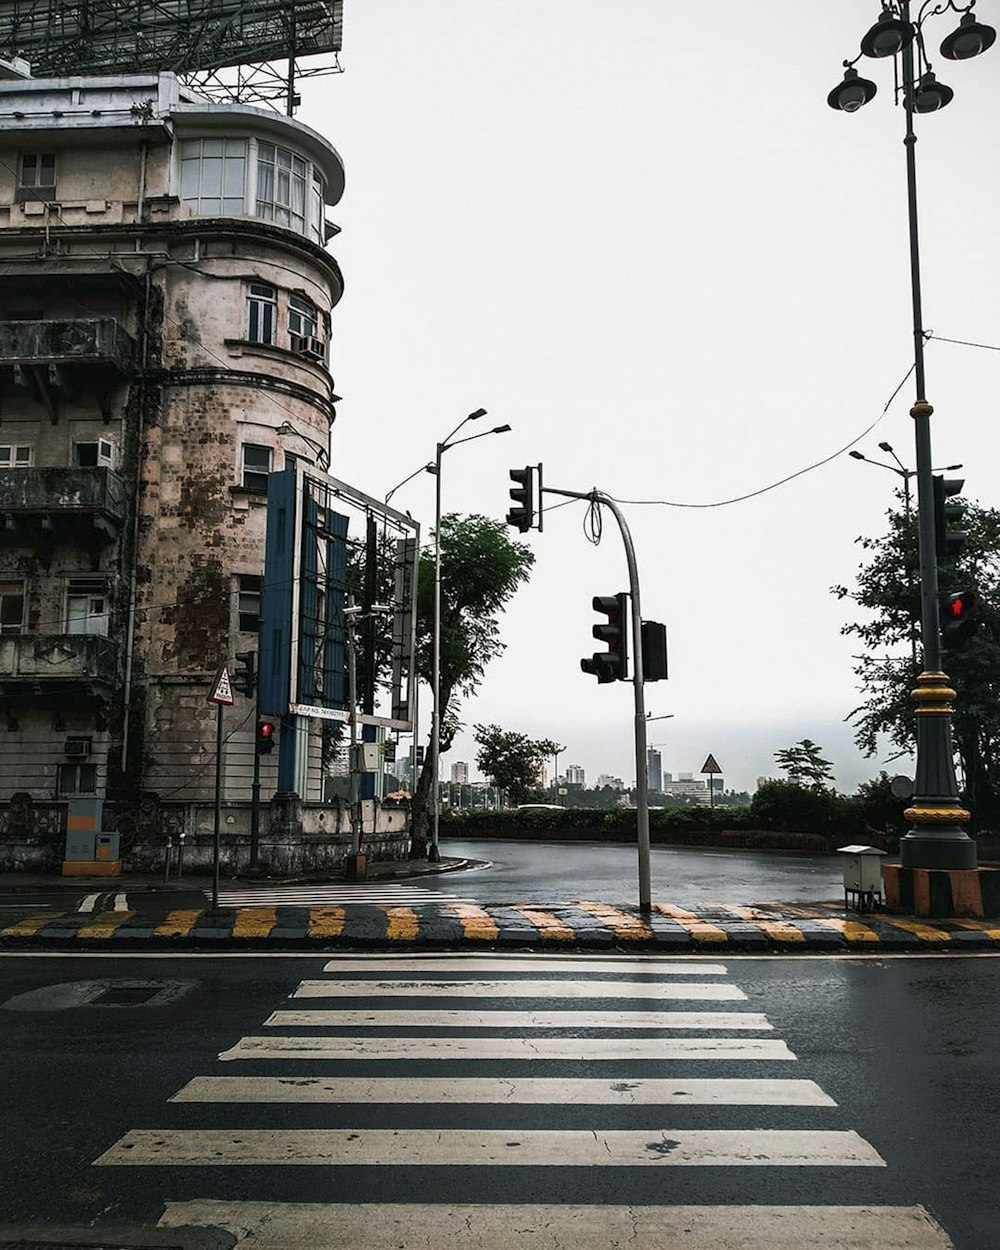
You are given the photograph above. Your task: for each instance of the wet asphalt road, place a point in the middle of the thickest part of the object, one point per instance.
(906, 1047)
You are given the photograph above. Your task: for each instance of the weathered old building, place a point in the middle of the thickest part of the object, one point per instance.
(165, 327)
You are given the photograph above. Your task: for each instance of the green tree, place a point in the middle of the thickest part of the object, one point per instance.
(887, 590)
(511, 760)
(481, 568)
(805, 765)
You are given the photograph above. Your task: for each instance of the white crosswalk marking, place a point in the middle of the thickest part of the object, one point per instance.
(334, 895)
(325, 1088)
(517, 989)
(309, 1225)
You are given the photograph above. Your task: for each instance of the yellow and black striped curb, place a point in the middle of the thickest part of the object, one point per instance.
(450, 924)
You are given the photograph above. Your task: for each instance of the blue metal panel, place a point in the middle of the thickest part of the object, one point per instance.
(276, 600)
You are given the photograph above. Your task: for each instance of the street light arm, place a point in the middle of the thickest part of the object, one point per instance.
(471, 438)
(424, 468)
(473, 416)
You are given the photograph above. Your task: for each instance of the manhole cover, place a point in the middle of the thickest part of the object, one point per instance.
(126, 996)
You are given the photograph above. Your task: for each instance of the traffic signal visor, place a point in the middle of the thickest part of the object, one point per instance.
(610, 665)
(522, 495)
(948, 542)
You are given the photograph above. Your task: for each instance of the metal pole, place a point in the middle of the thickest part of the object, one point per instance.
(433, 851)
(255, 787)
(217, 832)
(907, 511)
(641, 780)
(937, 839)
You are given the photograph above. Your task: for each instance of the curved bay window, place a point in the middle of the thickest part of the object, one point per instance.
(281, 186)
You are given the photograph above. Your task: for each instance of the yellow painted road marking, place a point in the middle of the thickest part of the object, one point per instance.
(104, 925)
(546, 923)
(926, 932)
(778, 930)
(475, 922)
(403, 924)
(619, 922)
(326, 921)
(700, 930)
(31, 924)
(178, 923)
(980, 926)
(853, 930)
(254, 922)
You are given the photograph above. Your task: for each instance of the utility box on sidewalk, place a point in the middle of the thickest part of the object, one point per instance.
(862, 876)
(89, 852)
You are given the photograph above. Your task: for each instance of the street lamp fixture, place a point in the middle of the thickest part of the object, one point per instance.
(433, 850)
(937, 838)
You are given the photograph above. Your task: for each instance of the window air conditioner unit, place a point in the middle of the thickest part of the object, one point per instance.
(77, 748)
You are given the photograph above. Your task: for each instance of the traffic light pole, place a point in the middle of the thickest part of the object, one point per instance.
(641, 780)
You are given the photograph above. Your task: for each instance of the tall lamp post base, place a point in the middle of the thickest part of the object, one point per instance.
(433, 854)
(937, 839)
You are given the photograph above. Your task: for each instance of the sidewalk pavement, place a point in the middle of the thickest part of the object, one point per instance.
(177, 917)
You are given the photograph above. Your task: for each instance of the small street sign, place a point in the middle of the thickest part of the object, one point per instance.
(222, 687)
(711, 765)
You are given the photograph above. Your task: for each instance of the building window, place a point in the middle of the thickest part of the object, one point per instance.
(303, 318)
(86, 606)
(256, 466)
(77, 779)
(262, 304)
(37, 178)
(317, 225)
(213, 175)
(248, 591)
(96, 455)
(281, 186)
(12, 457)
(11, 607)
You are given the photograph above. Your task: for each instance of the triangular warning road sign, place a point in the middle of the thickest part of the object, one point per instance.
(222, 687)
(711, 765)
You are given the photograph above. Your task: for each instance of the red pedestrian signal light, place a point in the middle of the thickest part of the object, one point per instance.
(266, 734)
(957, 614)
(610, 665)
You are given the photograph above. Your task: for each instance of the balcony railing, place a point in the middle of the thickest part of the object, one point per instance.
(64, 665)
(83, 341)
(61, 500)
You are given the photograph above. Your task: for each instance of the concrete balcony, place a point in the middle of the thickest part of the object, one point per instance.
(84, 341)
(67, 667)
(61, 505)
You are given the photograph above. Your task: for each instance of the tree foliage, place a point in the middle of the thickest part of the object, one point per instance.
(511, 760)
(887, 591)
(805, 765)
(481, 568)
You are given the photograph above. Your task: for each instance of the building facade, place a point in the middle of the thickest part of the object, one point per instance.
(165, 330)
(575, 776)
(654, 769)
(460, 773)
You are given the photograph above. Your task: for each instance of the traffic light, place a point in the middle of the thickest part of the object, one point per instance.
(654, 651)
(948, 542)
(266, 730)
(610, 665)
(522, 514)
(245, 675)
(958, 617)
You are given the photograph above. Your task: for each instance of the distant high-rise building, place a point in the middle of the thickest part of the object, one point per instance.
(460, 773)
(575, 776)
(606, 779)
(654, 769)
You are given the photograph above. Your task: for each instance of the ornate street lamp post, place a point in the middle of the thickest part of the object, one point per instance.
(937, 838)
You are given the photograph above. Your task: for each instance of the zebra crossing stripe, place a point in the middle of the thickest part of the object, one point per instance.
(652, 991)
(429, 1049)
(630, 964)
(748, 1020)
(548, 1091)
(492, 1147)
(430, 1226)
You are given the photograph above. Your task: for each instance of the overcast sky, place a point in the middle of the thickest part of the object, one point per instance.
(637, 233)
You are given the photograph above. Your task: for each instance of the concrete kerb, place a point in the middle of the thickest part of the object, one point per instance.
(533, 927)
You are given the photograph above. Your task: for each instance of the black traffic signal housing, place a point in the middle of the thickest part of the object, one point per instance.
(654, 651)
(610, 665)
(245, 673)
(948, 542)
(522, 495)
(958, 616)
(266, 733)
